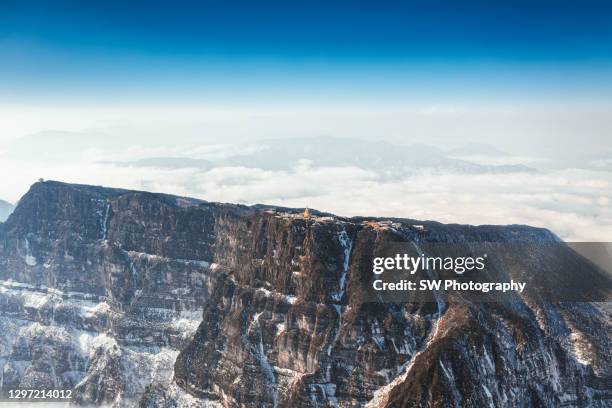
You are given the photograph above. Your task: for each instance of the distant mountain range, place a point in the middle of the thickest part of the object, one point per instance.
(477, 149)
(168, 163)
(6, 209)
(325, 151)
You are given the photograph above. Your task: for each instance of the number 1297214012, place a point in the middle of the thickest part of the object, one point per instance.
(31, 394)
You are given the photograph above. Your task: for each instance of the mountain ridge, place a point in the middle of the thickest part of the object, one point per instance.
(115, 191)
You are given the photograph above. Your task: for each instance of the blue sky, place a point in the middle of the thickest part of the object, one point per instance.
(321, 51)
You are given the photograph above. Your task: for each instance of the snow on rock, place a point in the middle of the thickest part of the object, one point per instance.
(347, 245)
(82, 346)
(29, 259)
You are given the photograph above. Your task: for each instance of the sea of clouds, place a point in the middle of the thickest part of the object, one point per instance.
(574, 203)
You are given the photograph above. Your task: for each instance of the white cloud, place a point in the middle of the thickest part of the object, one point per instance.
(572, 203)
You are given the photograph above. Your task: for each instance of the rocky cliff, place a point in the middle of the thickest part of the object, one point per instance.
(132, 298)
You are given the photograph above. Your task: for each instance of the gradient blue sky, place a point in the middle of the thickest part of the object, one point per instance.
(280, 51)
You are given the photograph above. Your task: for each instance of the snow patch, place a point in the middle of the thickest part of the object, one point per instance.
(105, 221)
(29, 259)
(347, 246)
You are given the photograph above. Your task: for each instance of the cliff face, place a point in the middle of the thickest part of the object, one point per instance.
(133, 298)
(88, 306)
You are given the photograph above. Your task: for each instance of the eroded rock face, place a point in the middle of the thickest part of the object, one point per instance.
(84, 306)
(133, 298)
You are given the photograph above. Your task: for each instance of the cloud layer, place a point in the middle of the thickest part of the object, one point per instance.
(573, 203)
